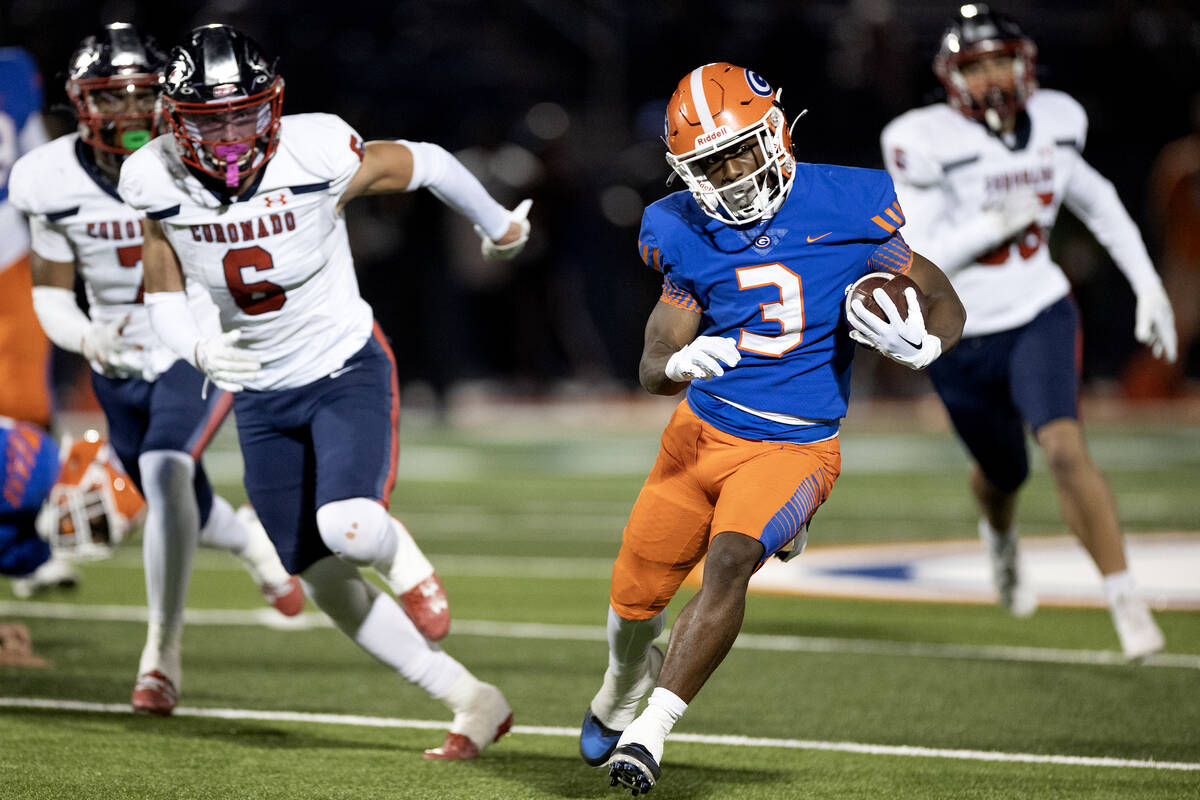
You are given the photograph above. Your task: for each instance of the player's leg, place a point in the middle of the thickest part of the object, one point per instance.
(1045, 370)
(771, 492)
(354, 429)
(281, 479)
(377, 624)
(169, 535)
(664, 539)
(184, 417)
(973, 384)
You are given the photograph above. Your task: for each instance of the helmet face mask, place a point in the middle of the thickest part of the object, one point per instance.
(223, 101)
(113, 82)
(976, 40)
(728, 139)
(93, 506)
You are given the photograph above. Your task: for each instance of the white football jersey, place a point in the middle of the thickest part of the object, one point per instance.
(76, 216)
(948, 168)
(277, 261)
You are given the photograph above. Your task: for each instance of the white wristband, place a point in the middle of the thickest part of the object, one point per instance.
(445, 176)
(61, 317)
(172, 321)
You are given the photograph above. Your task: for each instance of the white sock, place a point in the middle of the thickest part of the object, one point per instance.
(405, 565)
(650, 729)
(1117, 584)
(225, 530)
(378, 625)
(995, 538)
(626, 680)
(162, 653)
(169, 539)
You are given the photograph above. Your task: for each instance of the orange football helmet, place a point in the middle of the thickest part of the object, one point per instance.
(720, 110)
(93, 505)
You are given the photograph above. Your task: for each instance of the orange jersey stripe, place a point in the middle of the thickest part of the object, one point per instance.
(887, 226)
(678, 297)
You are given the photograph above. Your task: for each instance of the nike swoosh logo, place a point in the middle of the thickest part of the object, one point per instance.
(339, 372)
(812, 239)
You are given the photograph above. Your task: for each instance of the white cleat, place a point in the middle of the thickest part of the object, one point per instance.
(1011, 590)
(486, 718)
(1139, 634)
(53, 574)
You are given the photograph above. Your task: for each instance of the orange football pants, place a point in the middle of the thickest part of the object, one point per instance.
(24, 349)
(706, 482)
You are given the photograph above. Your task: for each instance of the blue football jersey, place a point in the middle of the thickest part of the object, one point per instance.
(28, 469)
(778, 289)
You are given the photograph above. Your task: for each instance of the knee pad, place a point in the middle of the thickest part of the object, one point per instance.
(357, 530)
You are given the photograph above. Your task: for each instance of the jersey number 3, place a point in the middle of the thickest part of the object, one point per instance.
(254, 297)
(788, 312)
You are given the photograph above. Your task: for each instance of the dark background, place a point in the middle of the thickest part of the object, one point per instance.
(562, 101)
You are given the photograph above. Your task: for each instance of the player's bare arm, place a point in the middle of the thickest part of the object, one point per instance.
(160, 265)
(668, 330)
(944, 315)
(58, 274)
(388, 167)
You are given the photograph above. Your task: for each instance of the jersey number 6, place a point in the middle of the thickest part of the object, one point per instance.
(788, 312)
(257, 297)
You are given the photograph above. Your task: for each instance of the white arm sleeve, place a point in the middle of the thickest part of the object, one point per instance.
(1093, 199)
(445, 176)
(61, 317)
(172, 320)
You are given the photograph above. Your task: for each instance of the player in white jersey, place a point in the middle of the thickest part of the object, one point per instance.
(981, 179)
(248, 204)
(158, 419)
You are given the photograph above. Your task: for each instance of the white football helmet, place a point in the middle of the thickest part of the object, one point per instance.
(93, 505)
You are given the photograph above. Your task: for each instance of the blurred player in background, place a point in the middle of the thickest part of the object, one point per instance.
(24, 349)
(159, 419)
(982, 178)
(248, 204)
(756, 256)
(28, 469)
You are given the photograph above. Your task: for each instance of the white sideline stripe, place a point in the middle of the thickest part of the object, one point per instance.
(695, 738)
(593, 633)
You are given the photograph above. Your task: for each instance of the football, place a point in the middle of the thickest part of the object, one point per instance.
(893, 284)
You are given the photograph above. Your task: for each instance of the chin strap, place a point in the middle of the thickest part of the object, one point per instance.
(231, 153)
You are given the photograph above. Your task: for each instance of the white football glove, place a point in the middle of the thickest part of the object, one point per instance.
(504, 252)
(702, 359)
(903, 340)
(224, 363)
(1155, 325)
(103, 346)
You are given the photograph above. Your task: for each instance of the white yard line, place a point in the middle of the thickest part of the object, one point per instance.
(697, 738)
(593, 633)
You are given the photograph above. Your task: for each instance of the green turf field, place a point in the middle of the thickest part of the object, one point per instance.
(822, 698)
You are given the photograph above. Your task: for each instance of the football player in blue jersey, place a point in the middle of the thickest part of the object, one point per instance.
(756, 257)
(28, 468)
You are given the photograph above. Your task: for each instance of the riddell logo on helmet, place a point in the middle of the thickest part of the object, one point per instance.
(707, 138)
(225, 89)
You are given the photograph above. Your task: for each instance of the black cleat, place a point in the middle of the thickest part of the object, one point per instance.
(632, 766)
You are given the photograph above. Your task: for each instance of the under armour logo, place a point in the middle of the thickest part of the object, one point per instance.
(282, 200)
